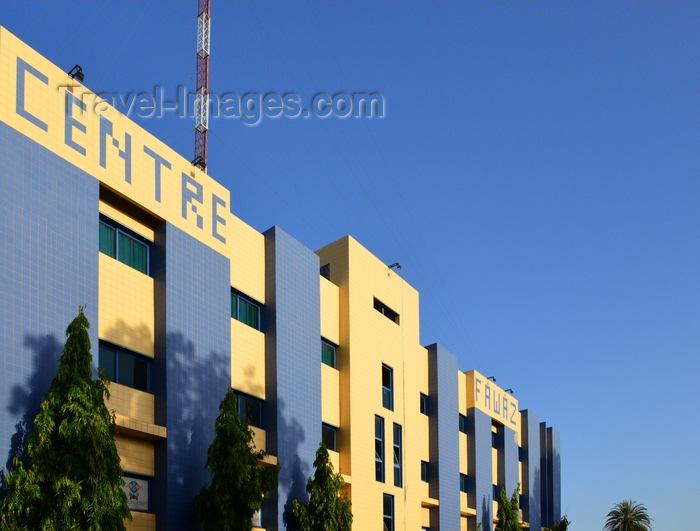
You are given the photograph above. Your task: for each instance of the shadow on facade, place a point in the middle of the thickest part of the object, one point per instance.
(188, 387)
(295, 471)
(486, 516)
(25, 399)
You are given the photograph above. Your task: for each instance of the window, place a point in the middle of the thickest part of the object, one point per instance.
(398, 473)
(124, 245)
(250, 410)
(328, 353)
(494, 439)
(463, 483)
(423, 404)
(496, 492)
(424, 471)
(329, 436)
(124, 368)
(379, 448)
(462, 423)
(386, 311)
(388, 387)
(245, 311)
(388, 512)
(326, 271)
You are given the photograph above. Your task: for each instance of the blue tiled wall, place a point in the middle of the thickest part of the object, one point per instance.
(480, 466)
(191, 370)
(443, 390)
(293, 367)
(553, 476)
(532, 475)
(48, 267)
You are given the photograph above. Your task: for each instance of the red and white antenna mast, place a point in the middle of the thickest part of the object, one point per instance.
(201, 104)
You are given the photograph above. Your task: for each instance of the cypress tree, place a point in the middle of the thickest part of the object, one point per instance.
(73, 479)
(327, 510)
(239, 484)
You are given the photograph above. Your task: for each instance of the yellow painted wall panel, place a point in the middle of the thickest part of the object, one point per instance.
(137, 455)
(330, 305)
(463, 453)
(125, 306)
(330, 395)
(247, 255)
(127, 221)
(247, 359)
(141, 522)
(494, 466)
(259, 438)
(130, 402)
(462, 393)
(425, 516)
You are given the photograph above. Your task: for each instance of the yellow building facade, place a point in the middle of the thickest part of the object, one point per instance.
(187, 301)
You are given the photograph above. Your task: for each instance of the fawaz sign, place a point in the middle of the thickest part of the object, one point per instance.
(485, 395)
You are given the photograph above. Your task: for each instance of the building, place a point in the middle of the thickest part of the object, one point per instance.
(187, 301)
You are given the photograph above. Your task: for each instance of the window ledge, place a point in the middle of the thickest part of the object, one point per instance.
(140, 429)
(430, 502)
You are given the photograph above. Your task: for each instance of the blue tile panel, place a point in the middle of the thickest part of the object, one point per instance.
(49, 246)
(480, 491)
(532, 475)
(510, 461)
(292, 329)
(443, 391)
(551, 475)
(191, 369)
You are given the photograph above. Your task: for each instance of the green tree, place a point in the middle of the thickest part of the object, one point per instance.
(628, 515)
(508, 511)
(327, 509)
(73, 479)
(239, 484)
(563, 525)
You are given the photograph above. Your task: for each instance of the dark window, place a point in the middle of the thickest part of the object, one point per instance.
(329, 436)
(326, 271)
(463, 483)
(496, 492)
(424, 471)
(398, 472)
(388, 387)
(386, 311)
(379, 448)
(423, 404)
(245, 311)
(388, 512)
(124, 245)
(462, 423)
(494, 439)
(124, 368)
(328, 353)
(250, 410)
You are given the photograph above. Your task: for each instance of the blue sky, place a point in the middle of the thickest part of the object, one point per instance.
(536, 175)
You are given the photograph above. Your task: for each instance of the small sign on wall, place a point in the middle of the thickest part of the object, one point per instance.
(136, 493)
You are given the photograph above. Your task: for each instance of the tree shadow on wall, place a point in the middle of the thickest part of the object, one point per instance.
(25, 399)
(189, 403)
(295, 472)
